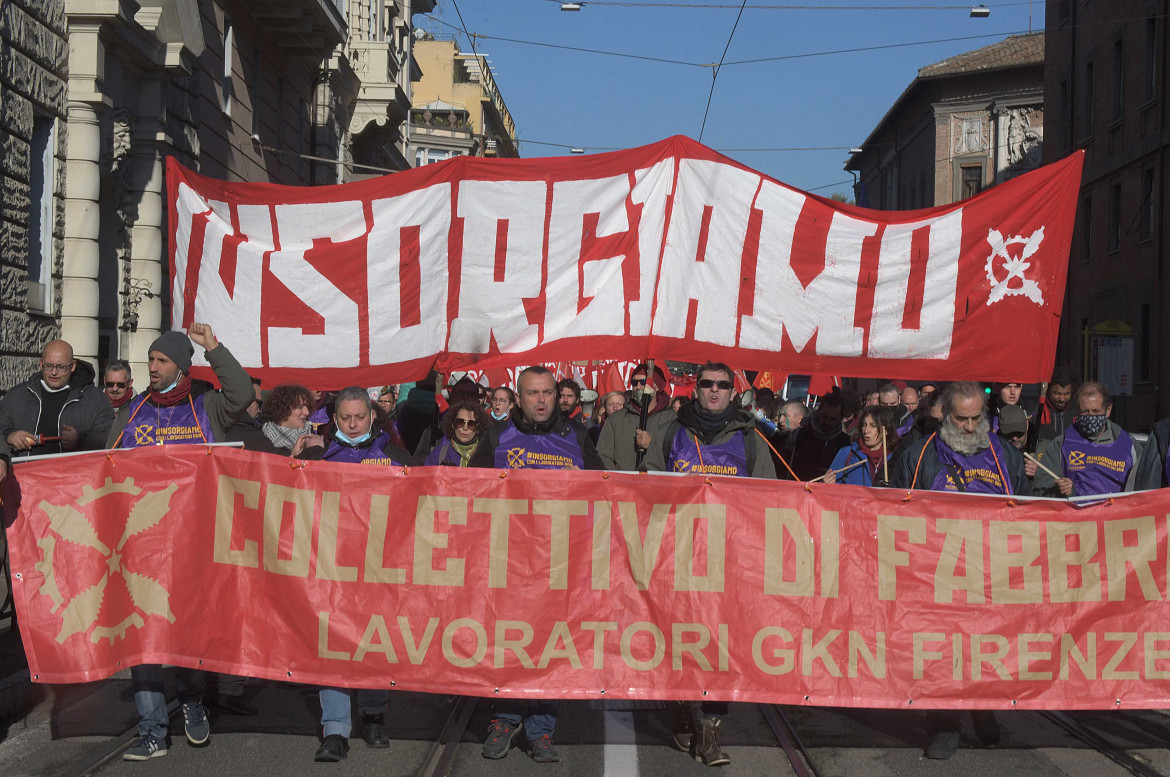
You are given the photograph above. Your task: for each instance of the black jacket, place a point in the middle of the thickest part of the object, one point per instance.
(1151, 470)
(87, 409)
(485, 453)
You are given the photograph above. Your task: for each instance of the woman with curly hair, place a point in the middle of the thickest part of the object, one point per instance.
(462, 425)
(868, 448)
(284, 419)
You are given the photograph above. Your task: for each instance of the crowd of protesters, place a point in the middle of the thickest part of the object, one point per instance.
(959, 437)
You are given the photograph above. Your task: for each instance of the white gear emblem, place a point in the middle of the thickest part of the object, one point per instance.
(1014, 266)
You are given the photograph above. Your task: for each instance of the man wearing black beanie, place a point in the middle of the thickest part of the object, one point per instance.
(169, 412)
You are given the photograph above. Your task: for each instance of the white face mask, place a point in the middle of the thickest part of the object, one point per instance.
(46, 387)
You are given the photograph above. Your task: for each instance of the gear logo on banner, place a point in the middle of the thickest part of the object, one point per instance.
(1014, 267)
(516, 458)
(71, 536)
(1076, 459)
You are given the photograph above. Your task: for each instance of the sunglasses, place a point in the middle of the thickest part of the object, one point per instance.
(722, 385)
(116, 384)
(463, 423)
(638, 382)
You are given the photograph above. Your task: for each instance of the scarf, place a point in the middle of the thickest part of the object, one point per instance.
(173, 397)
(117, 403)
(661, 400)
(874, 455)
(282, 436)
(464, 450)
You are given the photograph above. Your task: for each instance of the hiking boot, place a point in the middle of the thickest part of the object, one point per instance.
(499, 738)
(543, 751)
(335, 748)
(375, 731)
(195, 723)
(706, 745)
(147, 746)
(943, 745)
(986, 727)
(684, 727)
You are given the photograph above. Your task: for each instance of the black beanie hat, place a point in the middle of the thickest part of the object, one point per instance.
(176, 346)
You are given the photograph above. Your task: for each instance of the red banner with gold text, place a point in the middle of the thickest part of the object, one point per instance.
(571, 584)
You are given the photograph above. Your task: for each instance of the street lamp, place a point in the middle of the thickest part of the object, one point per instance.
(570, 6)
(978, 12)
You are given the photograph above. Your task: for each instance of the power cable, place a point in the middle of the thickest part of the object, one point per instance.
(728, 6)
(715, 72)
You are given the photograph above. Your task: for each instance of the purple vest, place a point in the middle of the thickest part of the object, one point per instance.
(905, 427)
(1094, 468)
(371, 455)
(980, 472)
(517, 450)
(154, 425)
(725, 458)
(444, 454)
(319, 418)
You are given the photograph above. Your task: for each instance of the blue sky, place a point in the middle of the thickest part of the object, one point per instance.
(595, 101)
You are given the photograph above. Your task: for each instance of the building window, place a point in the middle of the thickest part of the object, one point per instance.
(971, 182)
(376, 31)
(225, 84)
(1087, 126)
(1144, 337)
(1117, 82)
(1115, 217)
(1148, 214)
(41, 214)
(1086, 228)
(1150, 60)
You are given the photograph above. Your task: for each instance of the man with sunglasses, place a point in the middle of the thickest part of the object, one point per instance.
(59, 409)
(620, 438)
(712, 437)
(119, 383)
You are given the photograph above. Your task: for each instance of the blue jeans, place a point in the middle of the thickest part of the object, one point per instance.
(150, 695)
(539, 716)
(336, 717)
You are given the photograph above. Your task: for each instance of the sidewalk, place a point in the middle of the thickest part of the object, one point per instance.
(14, 681)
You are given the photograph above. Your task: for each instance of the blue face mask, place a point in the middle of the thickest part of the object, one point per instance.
(343, 437)
(171, 387)
(499, 417)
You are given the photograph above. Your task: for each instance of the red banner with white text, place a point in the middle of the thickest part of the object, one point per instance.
(571, 584)
(669, 250)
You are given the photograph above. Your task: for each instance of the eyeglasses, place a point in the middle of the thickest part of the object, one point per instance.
(637, 382)
(116, 384)
(722, 385)
(463, 423)
(47, 367)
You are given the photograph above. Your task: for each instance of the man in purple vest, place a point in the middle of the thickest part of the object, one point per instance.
(536, 436)
(1093, 456)
(171, 413)
(711, 437)
(963, 455)
(354, 439)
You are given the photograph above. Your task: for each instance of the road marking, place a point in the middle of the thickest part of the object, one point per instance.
(621, 754)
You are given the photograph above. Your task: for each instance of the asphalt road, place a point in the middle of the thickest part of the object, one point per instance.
(63, 729)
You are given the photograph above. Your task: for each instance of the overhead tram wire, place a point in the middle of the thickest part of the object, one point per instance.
(715, 72)
(966, 7)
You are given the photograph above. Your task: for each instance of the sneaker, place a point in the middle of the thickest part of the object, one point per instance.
(986, 727)
(543, 751)
(147, 746)
(335, 748)
(943, 745)
(684, 726)
(707, 747)
(195, 723)
(499, 738)
(375, 731)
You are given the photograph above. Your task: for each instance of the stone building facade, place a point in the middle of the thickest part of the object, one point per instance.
(1106, 83)
(33, 133)
(243, 90)
(963, 124)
